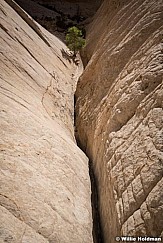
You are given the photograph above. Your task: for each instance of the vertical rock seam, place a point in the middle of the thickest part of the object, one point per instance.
(97, 230)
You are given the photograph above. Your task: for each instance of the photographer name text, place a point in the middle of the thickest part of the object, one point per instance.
(139, 238)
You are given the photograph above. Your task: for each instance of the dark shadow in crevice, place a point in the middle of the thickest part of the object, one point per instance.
(97, 231)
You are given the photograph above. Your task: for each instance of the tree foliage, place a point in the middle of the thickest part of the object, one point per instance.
(74, 39)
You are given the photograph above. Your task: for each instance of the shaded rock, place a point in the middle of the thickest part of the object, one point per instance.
(57, 16)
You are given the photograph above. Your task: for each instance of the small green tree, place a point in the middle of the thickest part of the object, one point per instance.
(74, 39)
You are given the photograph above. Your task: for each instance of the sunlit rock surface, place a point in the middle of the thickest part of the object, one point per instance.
(44, 181)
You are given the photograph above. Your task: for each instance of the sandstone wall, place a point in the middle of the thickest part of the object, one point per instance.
(119, 115)
(44, 181)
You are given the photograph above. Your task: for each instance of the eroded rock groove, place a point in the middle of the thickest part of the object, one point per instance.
(97, 230)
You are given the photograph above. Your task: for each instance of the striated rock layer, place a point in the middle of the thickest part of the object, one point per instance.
(119, 115)
(44, 181)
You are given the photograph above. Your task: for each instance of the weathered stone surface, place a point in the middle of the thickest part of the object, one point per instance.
(44, 181)
(120, 116)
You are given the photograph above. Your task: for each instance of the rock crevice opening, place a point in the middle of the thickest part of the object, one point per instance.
(97, 231)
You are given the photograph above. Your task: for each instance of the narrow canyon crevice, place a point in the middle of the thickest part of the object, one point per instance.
(97, 231)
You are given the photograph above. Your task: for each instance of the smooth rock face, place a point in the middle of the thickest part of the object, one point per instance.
(44, 181)
(119, 115)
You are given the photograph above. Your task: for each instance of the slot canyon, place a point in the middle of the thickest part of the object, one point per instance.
(81, 144)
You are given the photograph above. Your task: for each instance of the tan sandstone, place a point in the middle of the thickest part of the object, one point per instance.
(44, 181)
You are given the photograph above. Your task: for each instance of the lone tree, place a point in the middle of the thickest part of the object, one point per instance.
(74, 39)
